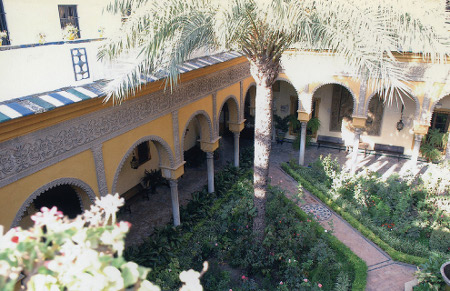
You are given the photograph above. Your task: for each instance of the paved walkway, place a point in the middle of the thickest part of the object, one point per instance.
(384, 274)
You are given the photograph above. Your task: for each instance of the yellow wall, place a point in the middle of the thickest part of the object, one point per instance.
(80, 166)
(128, 177)
(115, 149)
(224, 93)
(192, 135)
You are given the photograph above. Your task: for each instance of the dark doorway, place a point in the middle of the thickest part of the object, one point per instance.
(64, 197)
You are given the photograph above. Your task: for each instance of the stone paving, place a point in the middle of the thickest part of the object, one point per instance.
(383, 273)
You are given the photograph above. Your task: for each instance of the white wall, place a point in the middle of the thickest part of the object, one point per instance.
(27, 18)
(389, 133)
(44, 68)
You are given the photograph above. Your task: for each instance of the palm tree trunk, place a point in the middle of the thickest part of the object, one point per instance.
(264, 74)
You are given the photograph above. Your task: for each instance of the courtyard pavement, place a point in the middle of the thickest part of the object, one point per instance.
(384, 274)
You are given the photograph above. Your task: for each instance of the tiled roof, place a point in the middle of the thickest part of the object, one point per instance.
(43, 102)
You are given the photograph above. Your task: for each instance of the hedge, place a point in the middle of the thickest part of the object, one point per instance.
(395, 255)
(359, 266)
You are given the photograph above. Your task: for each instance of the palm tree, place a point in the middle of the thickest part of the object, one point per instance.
(162, 34)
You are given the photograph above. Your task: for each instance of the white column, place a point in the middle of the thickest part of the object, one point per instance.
(355, 150)
(210, 168)
(236, 149)
(301, 159)
(416, 149)
(175, 204)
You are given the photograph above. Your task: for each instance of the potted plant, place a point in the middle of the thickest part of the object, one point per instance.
(281, 126)
(41, 37)
(432, 145)
(70, 32)
(445, 272)
(3, 34)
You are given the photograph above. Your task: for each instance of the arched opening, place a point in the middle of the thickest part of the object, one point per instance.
(193, 155)
(333, 106)
(436, 143)
(228, 115)
(69, 195)
(248, 132)
(197, 129)
(142, 158)
(285, 106)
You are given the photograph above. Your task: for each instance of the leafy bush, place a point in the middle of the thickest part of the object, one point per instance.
(429, 274)
(440, 239)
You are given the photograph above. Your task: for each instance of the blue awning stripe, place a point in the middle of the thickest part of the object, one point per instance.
(61, 98)
(22, 110)
(43, 103)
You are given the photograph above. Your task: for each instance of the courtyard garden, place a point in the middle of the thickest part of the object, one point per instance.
(405, 216)
(296, 253)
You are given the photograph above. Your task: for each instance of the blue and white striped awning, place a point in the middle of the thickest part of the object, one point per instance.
(38, 103)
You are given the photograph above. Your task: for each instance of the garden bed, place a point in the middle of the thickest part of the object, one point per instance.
(296, 254)
(406, 218)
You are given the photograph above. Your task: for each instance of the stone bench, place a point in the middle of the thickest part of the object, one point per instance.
(393, 151)
(330, 141)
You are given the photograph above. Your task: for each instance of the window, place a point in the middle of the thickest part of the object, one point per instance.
(375, 116)
(341, 106)
(3, 26)
(68, 15)
(143, 152)
(441, 121)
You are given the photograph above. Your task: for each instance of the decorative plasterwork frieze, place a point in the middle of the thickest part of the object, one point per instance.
(100, 169)
(215, 117)
(30, 153)
(241, 100)
(176, 136)
(63, 181)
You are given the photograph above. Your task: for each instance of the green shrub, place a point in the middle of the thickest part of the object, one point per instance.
(429, 274)
(440, 239)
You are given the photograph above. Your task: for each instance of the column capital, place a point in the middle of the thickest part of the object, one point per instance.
(173, 173)
(236, 127)
(359, 122)
(418, 136)
(421, 128)
(209, 155)
(303, 116)
(209, 146)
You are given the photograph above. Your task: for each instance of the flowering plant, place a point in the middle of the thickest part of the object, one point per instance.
(3, 34)
(84, 253)
(70, 32)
